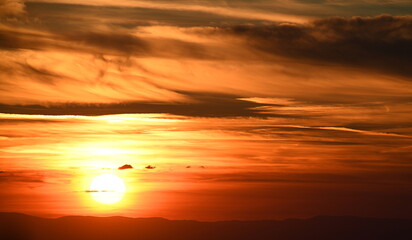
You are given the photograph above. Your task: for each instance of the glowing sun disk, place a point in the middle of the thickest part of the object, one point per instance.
(107, 188)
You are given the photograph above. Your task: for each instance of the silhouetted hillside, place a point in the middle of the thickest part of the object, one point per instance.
(20, 226)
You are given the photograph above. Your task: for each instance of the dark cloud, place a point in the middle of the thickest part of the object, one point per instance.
(150, 167)
(108, 42)
(382, 43)
(67, 15)
(21, 176)
(13, 40)
(126, 166)
(94, 191)
(203, 105)
(378, 43)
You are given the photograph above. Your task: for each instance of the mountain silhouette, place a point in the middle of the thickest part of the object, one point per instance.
(16, 226)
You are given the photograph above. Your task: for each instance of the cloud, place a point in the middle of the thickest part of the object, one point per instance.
(105, 42)
(379, 43)
(22, 176)
(201, 105)
(213, 9)
(126, 166)
(94, 191)
(93, 42)
(150, 167)
(209, 72)
(11, 8)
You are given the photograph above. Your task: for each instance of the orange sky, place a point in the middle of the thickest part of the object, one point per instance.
(263, 110)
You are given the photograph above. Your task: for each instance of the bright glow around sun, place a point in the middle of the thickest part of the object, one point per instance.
(107, 188)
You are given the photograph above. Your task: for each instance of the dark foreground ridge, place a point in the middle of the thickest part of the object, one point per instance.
(20, 226)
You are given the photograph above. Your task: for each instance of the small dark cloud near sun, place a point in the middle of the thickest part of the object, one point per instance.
(94, 191)
(126, 166)
(199, 167)
(150, 167)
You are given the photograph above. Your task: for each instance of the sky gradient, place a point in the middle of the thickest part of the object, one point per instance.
(248, 110)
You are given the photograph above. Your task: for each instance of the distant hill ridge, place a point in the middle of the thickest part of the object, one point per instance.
(16, 226)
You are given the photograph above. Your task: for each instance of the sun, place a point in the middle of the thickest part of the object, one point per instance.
(107, 188)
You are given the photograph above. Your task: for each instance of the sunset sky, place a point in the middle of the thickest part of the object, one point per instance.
(264, 109)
